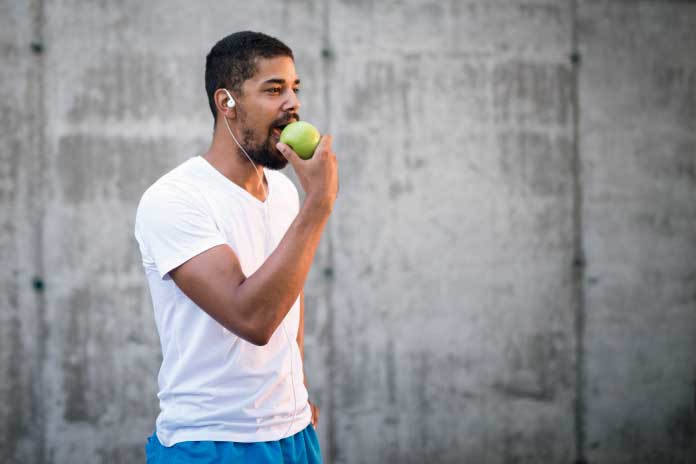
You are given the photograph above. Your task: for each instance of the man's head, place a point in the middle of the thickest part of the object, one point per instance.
(233, 60)
(259, 72)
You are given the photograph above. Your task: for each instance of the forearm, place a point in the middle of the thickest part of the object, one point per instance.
(266, 296)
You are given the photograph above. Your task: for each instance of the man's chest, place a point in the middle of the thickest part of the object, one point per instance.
(253, 231)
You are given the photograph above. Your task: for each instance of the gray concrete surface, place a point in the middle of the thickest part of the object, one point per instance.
(510, 272)
(638, 150)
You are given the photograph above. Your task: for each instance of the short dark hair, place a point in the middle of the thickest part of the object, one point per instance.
(232, 61)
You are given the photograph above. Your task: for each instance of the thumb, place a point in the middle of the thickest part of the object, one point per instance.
(288, 153)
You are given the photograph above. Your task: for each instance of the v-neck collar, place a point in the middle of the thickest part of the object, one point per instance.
(228, 184)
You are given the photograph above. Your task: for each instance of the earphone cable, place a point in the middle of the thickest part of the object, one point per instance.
(248, 157)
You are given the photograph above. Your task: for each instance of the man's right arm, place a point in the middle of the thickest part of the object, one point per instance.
(252, 307)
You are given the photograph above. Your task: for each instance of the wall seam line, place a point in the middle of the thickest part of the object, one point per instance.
(328, 272)
(579, 262)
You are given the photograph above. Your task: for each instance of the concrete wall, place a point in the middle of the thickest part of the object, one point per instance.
(510, 272)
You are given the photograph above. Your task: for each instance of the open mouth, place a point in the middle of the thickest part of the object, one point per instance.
(279, 128)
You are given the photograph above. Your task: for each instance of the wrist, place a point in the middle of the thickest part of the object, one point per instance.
(318, 204)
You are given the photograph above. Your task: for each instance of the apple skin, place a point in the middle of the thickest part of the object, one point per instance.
(302, 137)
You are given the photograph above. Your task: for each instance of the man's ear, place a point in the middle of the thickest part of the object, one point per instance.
(225, 103)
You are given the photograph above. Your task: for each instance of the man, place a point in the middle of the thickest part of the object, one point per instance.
(226, 249)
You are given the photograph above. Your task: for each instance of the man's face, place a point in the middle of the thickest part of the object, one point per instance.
(268, 103)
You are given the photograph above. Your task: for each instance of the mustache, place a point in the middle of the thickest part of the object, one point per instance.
(286, 120)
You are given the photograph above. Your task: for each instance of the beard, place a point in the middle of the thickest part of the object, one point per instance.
(265, 153)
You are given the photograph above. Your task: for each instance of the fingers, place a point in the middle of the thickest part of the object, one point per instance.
(324, 144)
(318, 175)
(288, 153)
(324, 147)
(315, 414)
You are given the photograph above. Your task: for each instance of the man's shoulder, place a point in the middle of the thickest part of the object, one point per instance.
(178, 178)
(173, 187)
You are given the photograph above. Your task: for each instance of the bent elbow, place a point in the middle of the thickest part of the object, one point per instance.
(258, 337)
(249, 334)
(259, 340)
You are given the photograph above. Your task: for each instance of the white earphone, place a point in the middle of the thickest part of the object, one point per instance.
(230, 103)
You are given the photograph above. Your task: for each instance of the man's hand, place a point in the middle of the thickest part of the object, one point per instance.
(315, 413)
(318, 175)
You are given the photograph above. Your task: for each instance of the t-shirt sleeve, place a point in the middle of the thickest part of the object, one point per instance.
(173, 226)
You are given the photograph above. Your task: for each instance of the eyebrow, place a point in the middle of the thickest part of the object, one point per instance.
(278, 81)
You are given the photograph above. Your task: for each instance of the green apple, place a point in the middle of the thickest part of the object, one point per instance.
(302, 137)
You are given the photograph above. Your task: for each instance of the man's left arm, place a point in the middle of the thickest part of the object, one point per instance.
(300, 344)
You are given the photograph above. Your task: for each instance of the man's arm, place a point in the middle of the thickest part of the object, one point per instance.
(253, 307)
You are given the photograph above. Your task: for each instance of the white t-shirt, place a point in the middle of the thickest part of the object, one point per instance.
(214, 385)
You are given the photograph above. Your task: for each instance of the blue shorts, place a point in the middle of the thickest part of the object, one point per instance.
(301, 448)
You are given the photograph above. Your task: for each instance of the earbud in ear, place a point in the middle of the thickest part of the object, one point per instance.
(230, 103)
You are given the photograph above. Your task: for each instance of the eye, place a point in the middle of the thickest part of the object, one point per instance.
(273, 90)
(297, 90)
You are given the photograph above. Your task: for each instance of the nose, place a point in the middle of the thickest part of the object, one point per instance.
(292, 103)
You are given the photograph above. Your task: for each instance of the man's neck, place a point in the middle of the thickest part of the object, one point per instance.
(225, 156)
